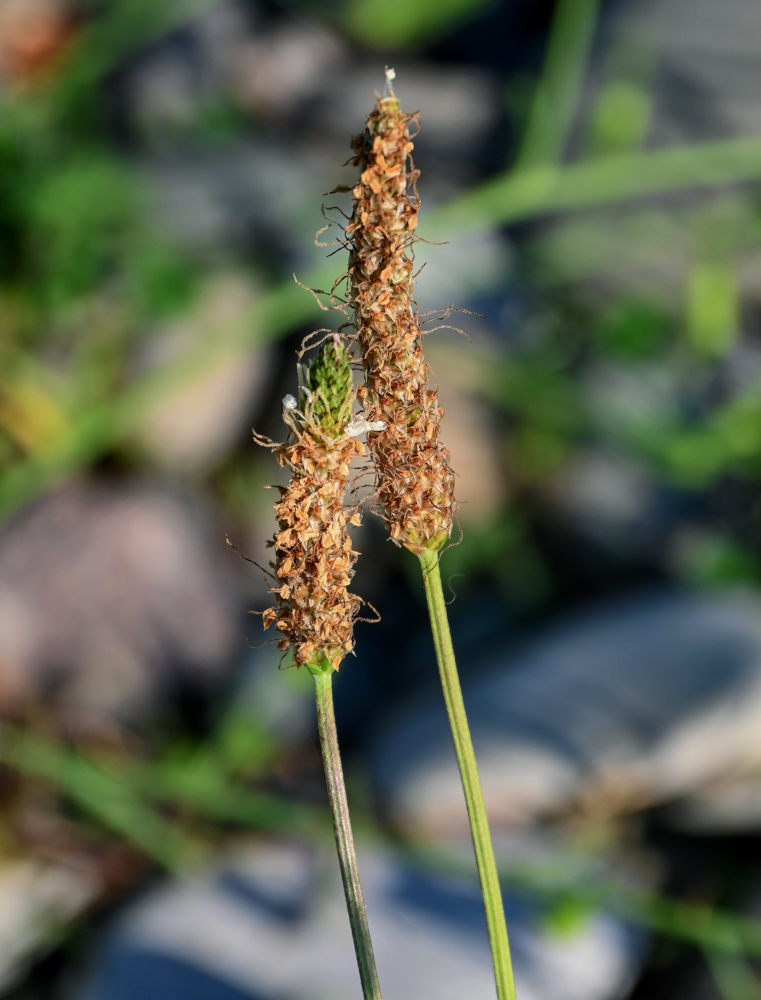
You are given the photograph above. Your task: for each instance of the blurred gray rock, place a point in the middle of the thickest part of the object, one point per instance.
(707, 57)
(606, 497)
(279, 70)
(165, 86)
(472, 438)
(111, 597)
(725, 807)
(456, 273)
(242, 196)
(633, 704)
(37, 899)
(281, 699)
(271, 924)
(189, 429)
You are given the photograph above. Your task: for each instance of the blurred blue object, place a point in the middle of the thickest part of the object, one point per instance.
(271, 923)
(627, 705)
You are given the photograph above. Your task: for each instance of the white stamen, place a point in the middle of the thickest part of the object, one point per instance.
(360, 426)
(390, 74)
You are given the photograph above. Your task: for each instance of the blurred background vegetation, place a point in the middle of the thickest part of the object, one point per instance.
(594, 170)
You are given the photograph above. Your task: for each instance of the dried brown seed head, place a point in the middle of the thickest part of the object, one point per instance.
(415, 481)
(314, 559)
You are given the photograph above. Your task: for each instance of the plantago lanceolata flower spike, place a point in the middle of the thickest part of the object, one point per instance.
(314, 564)
(415, 482)
(314, 558)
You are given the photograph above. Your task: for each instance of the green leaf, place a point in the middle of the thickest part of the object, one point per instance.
(378, 23)
(712, 308)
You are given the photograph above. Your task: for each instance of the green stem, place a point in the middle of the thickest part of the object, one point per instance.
(557, 93)
(347, 857)
(466, 759)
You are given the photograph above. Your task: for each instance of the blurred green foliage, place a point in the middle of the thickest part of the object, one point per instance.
(381, 25)
(621, 119)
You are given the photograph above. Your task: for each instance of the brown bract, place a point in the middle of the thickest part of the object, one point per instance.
(314, 559)
(415, 482)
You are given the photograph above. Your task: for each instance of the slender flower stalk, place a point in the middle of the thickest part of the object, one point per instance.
(415, 481)
(471, 785)
(314, 565)
(347, 857)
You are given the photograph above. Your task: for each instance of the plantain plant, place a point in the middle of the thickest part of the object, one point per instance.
(314, 559)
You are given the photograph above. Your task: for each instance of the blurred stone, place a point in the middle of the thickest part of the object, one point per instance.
(627, 706)
(36, 900)
(113, 597)
(609, 499)
(190, 429)
(726, 807)
(166, 87)
(283, 700)
(707, 59)
(625, 394)
(272, 923)
(456, 273)
(277, 70)
(258, 198)
(468, 432)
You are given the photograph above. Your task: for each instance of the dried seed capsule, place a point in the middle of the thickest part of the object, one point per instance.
(415, 482)
(314, 559)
